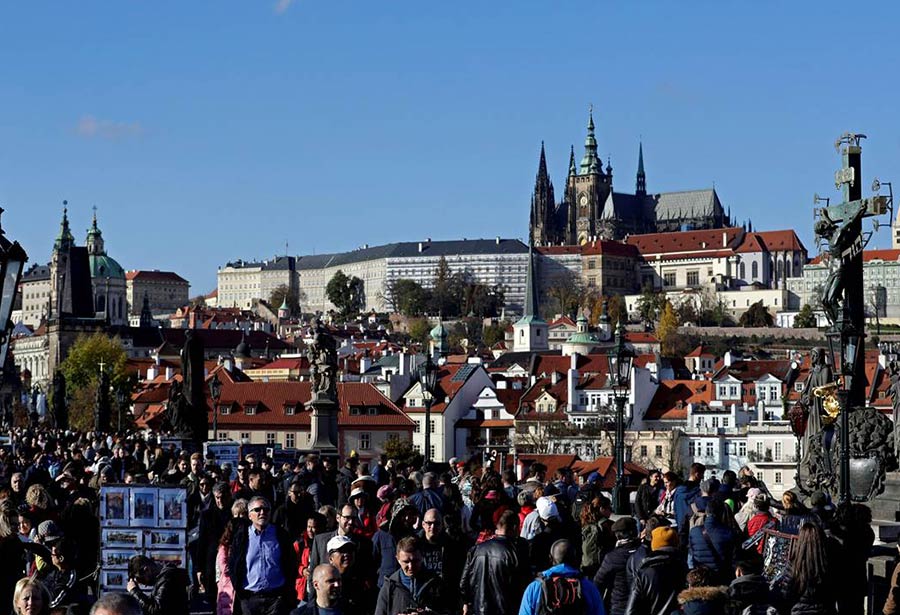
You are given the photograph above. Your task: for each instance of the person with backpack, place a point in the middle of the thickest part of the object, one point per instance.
(561, 589)
(686, 493)
(612, 578)
(596, 534)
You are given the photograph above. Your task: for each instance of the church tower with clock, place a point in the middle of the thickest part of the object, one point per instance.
(587, 188)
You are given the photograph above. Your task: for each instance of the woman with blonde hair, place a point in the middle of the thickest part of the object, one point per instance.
(31, 597)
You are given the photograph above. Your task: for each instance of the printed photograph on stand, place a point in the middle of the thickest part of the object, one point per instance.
(113, 580)
(164, 539)
(125, 538)
(177, 558)
(115, 558)
(173, 507)
(143, 507)
(114, 505)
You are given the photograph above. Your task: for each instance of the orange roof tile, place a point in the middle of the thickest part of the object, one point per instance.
(670, 401)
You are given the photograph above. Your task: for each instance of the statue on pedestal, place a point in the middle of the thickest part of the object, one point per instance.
(186, 413)
(60, 409)
(101, 403)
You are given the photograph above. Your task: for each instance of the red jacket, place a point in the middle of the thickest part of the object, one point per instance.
(756, 523)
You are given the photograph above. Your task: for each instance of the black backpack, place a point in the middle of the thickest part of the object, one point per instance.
(561, 595)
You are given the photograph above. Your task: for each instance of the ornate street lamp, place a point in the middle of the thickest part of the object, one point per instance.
(12, 261)
(215, 391)
(620, 360)
(120, 401)
(851, 341)
(428, 379)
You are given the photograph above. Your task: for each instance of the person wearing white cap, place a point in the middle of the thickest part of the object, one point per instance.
(550, 530)
(342, 554)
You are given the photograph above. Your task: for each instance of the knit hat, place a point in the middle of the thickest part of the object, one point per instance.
(624, 525)
(385, 492)
(48, 531)
(663, 537)
(547, 508)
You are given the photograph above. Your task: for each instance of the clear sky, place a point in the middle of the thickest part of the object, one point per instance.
(210, 131)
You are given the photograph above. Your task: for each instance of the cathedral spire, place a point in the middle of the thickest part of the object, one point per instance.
(641, 185)
(94, 241)
(531, 298)
(543, 202)
(65, 239)
(590, 163)
(572, 168)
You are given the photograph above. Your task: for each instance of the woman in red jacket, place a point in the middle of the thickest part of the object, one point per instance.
(302, 548)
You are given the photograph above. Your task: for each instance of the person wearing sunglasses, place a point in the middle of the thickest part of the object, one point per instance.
(262, 563)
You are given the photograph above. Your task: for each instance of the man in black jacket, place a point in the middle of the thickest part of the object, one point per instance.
(210, 530)
(410, 587)
(262, 563)
(660, 578)
(646, 500)
(611, 579)
(169, 594)
(496, 572)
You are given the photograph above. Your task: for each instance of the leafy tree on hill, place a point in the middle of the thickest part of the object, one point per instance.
(650, 305)
(82, 371)
(282, 293)
(756, 316)
(805, 318)
(346, 293)
(667, 330)
(408, 297)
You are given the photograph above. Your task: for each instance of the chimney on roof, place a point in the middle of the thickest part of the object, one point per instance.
(572, 379)
(554, 377)
(498, 240)
(724, 239)
(169, 373)
(421, 246)
(153, 372)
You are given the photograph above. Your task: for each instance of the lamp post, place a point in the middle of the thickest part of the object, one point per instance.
(215, 391)
(851, 342)
(120, 401)
(620, 359)
(428, 379)
(12, 260)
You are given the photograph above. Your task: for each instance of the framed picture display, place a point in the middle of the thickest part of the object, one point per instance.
(178, 558)
(116, 558)
(114, 507)
(164, 539)
(143, 507)
(173, 507)
(122, 538)
(113, 580)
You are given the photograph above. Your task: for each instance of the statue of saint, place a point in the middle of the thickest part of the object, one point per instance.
(322, 356)
(60, 410)
(820, 374)
(101, 403)
(841, 239)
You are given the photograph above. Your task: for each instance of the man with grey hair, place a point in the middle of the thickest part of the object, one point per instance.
(262, 563)
(116, 603)
(429, 497)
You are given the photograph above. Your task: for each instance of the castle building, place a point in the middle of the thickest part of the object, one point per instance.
(591, 209)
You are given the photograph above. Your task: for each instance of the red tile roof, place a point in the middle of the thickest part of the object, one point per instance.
(699, 351)
(887, 255)
(780, 241)
(562, 320)
(586, 364)
(640, 337)
(290, 364)
(672, 397)
(748, 371)
(698, 241)
(611, 248)
(553, 462)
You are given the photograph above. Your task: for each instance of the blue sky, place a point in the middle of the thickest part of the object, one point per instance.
(210, 131)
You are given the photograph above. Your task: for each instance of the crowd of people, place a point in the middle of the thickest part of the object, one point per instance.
(348, 537)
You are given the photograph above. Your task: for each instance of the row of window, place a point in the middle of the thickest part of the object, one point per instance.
(363, 443)
(291, 410)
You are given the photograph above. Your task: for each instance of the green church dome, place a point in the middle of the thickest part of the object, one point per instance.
(103, 266)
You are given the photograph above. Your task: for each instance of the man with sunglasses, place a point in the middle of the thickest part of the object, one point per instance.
(347, 519)
(262, 563)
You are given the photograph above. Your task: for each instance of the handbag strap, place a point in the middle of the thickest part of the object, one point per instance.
(717, 557)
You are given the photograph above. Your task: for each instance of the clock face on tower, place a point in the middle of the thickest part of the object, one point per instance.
(583, 199)
(582, 205)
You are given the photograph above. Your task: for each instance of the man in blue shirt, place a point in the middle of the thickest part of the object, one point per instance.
(262, 563)
(535, 602)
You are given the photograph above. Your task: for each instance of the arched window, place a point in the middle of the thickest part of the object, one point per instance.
(742, 272)
(780, 269)
(101, 303)
(754, 270)
(787, 269)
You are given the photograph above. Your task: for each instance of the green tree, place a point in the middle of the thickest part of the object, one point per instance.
(756, 316)
(686, 311)
(403, 452)
(284, 293)
(407, 297)
(82, 371)
(445, 291)
(418, 330)
(805, 318)
(346, 293)
(650, 305)
(616, 309)
(494, 333)
(667, 329)
(714, 311)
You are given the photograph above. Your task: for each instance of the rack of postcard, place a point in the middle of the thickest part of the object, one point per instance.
(140, 519)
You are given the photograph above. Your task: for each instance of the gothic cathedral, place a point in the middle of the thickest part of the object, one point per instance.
(591, 209)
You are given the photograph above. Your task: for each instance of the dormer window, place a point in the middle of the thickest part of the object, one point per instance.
(225, 409)
(290, 409)
(372, 411)
(355, 411)
(250, 408)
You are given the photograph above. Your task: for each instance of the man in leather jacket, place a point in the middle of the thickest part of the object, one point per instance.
(660, 578)
(496, 572)
(169, 595)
